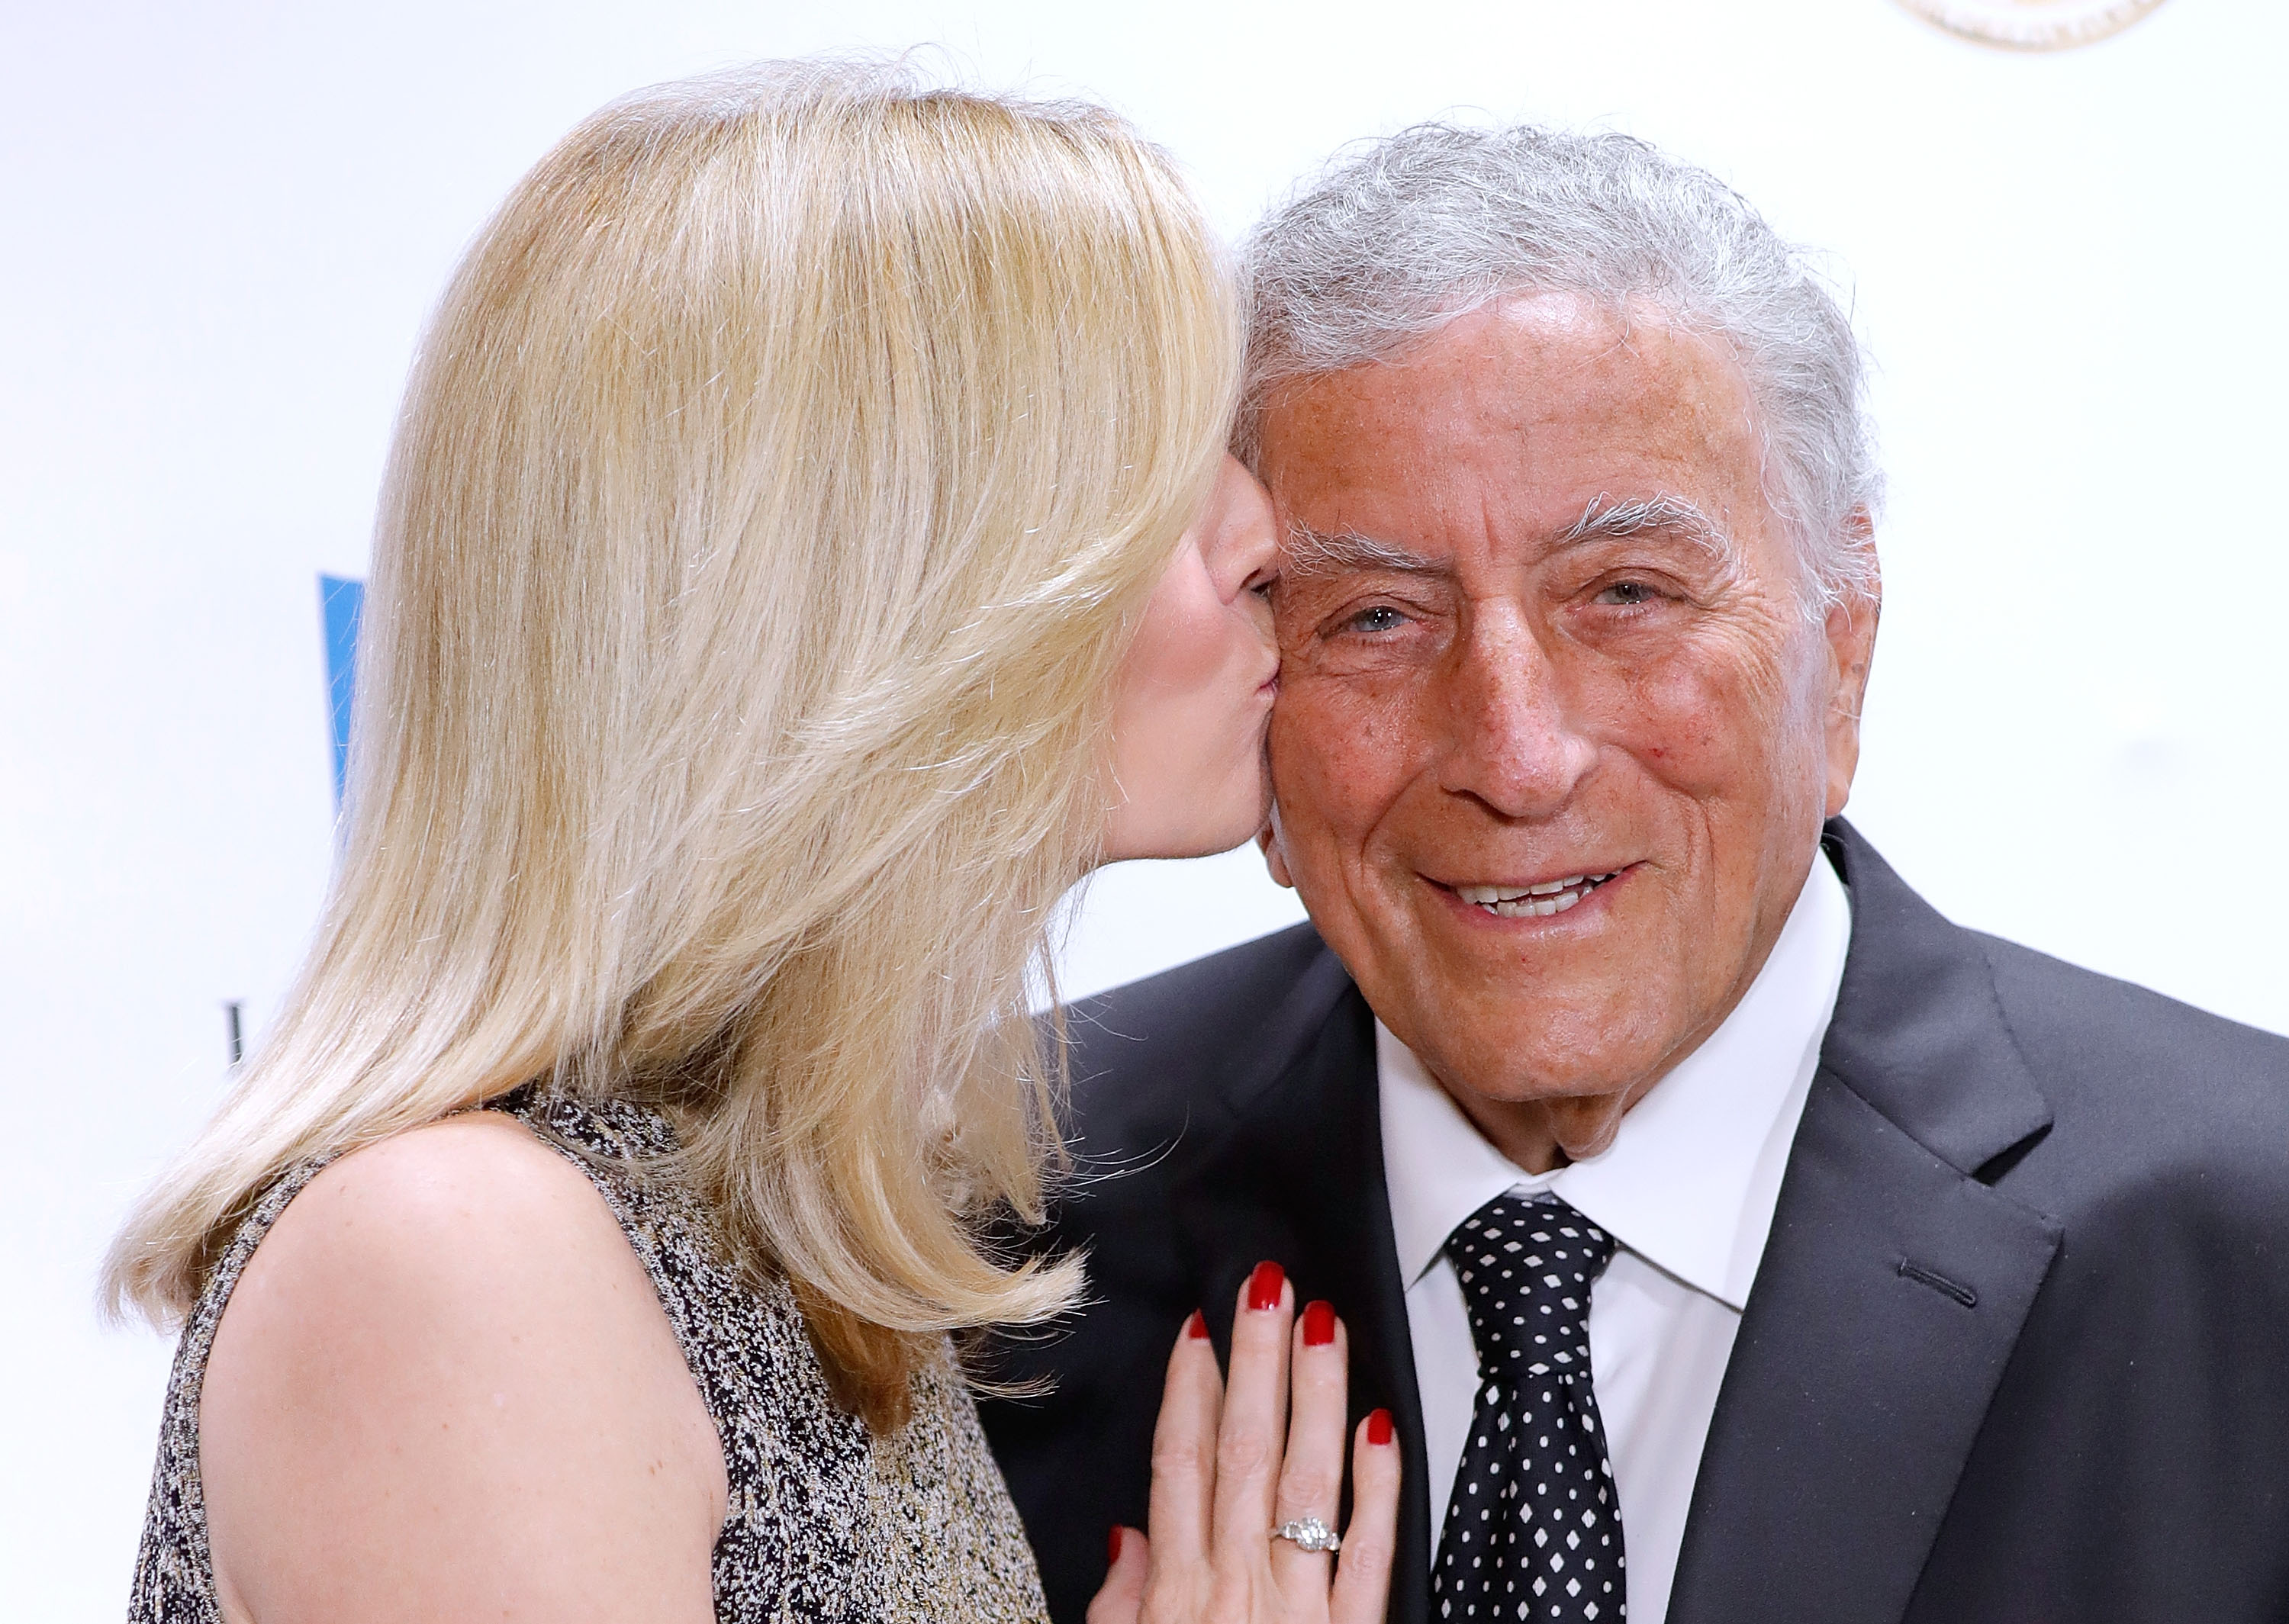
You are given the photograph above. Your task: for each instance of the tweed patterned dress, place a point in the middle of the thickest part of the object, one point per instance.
(822, 1521)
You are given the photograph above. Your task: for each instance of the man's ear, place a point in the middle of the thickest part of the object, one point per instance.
(1275, 854)
(1850, 629)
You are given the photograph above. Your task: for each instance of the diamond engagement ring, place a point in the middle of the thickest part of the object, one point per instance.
(1308, 1533)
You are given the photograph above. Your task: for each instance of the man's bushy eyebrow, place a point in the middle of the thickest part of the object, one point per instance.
(1606, 519)
(1309, 553)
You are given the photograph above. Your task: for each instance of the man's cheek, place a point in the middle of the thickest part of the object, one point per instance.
(1311, 727)
(1348, 710)
(1320, 796)
(1689, 730)
(1327, 800)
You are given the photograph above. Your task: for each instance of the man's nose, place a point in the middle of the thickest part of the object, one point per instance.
(1513, 744)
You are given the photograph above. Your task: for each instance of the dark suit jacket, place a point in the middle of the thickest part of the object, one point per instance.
(2018, 1349)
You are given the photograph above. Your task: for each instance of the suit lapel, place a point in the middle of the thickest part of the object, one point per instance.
(1890, 1292)
(1298, 1179)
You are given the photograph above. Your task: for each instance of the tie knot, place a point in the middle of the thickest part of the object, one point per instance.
(1525, 1267)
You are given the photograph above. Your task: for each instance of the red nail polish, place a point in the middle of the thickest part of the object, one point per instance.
(1197, 1328)
(1379, 1426)
(1263, 1286)
(1112, 1545)
(1319, 1325)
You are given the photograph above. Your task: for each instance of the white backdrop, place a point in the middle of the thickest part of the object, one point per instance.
(225, 222)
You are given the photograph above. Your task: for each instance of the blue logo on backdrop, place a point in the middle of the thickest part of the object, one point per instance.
(340, 603)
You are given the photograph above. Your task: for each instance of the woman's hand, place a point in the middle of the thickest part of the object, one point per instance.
(1232, 1464)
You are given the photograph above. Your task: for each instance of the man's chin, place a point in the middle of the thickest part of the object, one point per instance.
(1567, 1038)
(1496, 1080)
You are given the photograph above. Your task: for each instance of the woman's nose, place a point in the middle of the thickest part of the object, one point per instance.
(1243, 543)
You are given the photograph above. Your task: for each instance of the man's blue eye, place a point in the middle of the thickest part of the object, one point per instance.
(1382, 617)
(1627, 593)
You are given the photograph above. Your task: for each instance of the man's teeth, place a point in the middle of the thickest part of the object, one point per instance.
(1532, 902)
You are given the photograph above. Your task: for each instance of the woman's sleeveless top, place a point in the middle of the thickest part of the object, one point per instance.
(823, 1520)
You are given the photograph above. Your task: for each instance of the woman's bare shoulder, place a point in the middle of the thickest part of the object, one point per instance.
(479, 1180)
(443, 1361)
(457, 1230)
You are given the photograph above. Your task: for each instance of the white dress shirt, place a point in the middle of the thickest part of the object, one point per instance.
(1686, 1189)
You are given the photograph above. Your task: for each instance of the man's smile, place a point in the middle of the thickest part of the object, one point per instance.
(1525, 899)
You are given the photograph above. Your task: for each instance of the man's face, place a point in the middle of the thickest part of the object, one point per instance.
(1540, 625)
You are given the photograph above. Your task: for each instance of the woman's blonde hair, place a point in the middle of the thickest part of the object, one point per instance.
(774, 498)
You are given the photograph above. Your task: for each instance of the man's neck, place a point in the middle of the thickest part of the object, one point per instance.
(1542, 1135)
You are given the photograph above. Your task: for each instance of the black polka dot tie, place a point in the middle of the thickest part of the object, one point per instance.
(1534, 1529)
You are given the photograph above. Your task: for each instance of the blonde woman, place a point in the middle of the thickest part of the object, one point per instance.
(807, 550)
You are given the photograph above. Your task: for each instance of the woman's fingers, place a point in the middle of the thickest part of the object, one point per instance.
(1254, 1429)
(1362, 1590)
(1232, 1459)
(1184, 1452)
(1311, 1477)
(1121, 1598)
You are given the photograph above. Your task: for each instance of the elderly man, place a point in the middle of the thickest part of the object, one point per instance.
(1927, 1277)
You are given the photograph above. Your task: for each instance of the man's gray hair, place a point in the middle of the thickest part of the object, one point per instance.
(1395, 241)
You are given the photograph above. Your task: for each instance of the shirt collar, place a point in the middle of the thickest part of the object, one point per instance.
(1691, 1179)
